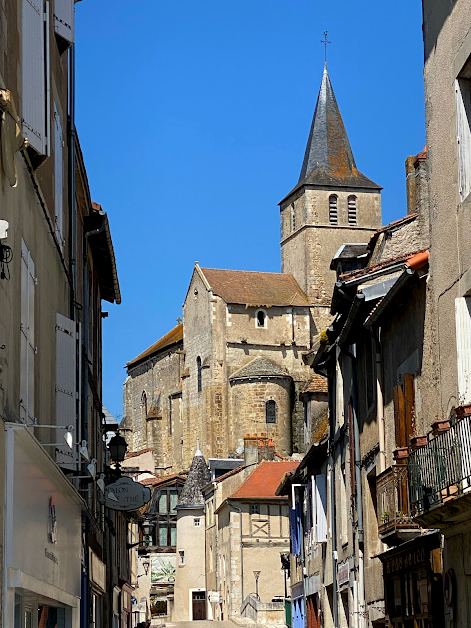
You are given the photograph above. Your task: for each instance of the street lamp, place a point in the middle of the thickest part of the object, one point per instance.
(117, 447)
(146, 565)
(148, 527)
(257, 576)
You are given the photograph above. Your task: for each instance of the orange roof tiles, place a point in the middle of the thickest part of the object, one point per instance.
(318, 384)
(264, 480)
(133, 454)
(254, 288)
(173, 336)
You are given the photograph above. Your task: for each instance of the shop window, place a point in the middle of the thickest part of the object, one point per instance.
(270, 411)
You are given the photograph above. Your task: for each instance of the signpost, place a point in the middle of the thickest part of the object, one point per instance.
(125, 494)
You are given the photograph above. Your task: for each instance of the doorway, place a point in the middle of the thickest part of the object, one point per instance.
(199, 605)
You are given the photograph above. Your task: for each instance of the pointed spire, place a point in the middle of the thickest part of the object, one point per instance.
(328, 159)
(198, 477)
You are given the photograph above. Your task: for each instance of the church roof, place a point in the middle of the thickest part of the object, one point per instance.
(254, 288)
(173, 336)
(199, 476)
(328, 160)
(260, 367)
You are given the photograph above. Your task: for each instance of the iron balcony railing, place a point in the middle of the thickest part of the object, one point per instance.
(394, 513)
(441, 469)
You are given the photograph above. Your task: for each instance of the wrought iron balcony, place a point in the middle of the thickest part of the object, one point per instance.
(440, 472)
(395, 523)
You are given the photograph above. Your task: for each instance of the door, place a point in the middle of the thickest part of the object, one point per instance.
(199, 605)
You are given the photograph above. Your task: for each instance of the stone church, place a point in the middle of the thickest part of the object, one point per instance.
(235, 365)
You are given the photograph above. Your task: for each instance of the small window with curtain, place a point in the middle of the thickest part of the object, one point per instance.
(200, 374)
(352, 210)
(333, 212)
(270, 411)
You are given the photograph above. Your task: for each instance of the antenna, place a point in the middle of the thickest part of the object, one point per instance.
(325, 41)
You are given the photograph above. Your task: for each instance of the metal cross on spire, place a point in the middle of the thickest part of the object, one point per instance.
(325, 41)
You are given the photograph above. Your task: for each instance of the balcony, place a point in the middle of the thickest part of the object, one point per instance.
(395, 523)
(440, 477)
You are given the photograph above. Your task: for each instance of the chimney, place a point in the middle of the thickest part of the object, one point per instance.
(416, 183)
(410, 185)
(250, 449)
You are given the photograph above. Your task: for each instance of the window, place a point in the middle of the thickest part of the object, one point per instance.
(200, 374)
(293, 218)
(28, 350)
(261, 318)
(463, 345)
(352, 210)
(333, 215)
(196, 522)
(181, 557)
(463, 130)
(270, 411)
(144, 403)
(254, 509)
(165, 515)
(403, 397)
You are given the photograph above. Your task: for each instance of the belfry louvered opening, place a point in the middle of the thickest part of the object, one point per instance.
(352, 210)
(333, 213)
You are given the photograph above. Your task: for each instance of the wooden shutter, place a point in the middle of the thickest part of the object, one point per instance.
(65, 383)
(399, 416)
(463, 347)
(64, 19)
(409, 404)
(58, 178)
(463, 130)
(321, 507)
(33, 102)
(27, 348)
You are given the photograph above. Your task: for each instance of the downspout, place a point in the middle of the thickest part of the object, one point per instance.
(333, 530)
(359, 495)
(241, 553)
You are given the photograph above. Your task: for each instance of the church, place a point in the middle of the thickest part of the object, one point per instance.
(235, 365)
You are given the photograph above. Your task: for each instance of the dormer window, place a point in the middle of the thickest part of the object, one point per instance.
(352, 210)
(333, 214)
(261, 318)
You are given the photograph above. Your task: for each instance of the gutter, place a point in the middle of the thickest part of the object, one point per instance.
(403, 280)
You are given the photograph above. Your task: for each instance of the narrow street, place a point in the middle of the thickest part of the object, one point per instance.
(201, 624)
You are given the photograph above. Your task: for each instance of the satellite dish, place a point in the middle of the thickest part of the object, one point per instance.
(92, 468)
(69, 439)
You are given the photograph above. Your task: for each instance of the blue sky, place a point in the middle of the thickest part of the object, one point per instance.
(193, 120)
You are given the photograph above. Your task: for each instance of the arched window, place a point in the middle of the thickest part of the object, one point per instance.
(261, 318)
(333, 215)
(144, 403)
(200, 372)
(293, 218)
(352, 210)
(270, 411)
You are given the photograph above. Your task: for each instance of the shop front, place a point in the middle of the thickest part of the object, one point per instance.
(42, 567)
(413, 586)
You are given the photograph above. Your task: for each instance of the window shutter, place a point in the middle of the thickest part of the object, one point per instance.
(64, 19)
(27, 348)
(463, 121)
(399, 416)
(65, 383)
(33, 103)
(463, 346)
(58, 178)
(409, 404)
(321, 507)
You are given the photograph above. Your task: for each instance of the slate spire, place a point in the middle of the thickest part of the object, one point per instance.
(198, 477)
(328, 159)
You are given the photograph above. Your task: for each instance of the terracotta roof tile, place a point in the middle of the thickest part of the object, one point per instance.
(133, 454)
(317, 384)
(255, 289)
(264, 480)
(230, 473)
(388, 262)
(163, 479)
(173, 336)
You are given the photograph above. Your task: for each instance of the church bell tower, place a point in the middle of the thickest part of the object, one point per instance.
(332, 204)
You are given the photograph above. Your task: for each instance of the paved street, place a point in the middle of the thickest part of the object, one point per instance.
(201, 624)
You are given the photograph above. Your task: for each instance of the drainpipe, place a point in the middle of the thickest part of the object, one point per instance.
(241, 553)
(331, 463)
(359, 496)
(88, 235)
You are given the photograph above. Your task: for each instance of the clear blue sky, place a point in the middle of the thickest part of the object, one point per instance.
(193, 119)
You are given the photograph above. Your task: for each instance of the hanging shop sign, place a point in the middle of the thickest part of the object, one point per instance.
(343, 573)
(125, 494)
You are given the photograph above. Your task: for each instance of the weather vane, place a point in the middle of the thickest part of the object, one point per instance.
(325, 41)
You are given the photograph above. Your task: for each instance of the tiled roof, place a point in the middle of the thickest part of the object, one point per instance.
(133, 454)
(385, 264)
(172, 337)
(264, 480)
(255, 289)
(260, 367)
(163, 479)
(229, 473)
(318, 384)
